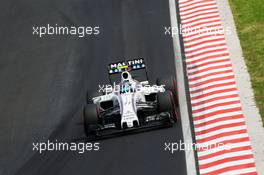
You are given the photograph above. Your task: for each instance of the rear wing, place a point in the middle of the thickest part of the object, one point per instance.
(136, 67)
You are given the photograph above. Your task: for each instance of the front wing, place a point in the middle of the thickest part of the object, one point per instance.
(156, 121)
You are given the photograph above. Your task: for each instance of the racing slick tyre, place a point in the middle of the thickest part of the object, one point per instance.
(90, 119)
(169, 83)
(166, 103)
(90, 96)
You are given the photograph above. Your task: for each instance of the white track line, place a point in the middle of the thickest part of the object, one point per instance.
(186, 128)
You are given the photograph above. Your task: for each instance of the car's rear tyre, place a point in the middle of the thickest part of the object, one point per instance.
(166, 103)
(90, 118)
(91, 95)
(170, 84)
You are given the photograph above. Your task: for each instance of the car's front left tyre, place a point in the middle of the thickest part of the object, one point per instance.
(166, 103)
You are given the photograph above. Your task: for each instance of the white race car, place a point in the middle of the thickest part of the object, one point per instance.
(129, 105)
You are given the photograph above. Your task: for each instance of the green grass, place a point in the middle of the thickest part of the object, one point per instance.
(249, 19)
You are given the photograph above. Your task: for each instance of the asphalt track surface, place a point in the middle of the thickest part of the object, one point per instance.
(44, 82)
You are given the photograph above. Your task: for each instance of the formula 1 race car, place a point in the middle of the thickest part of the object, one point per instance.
(129, 105)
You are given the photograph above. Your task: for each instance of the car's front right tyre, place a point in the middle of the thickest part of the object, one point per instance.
(90, 119)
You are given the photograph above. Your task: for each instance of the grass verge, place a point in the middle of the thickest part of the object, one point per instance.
(249, 19)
